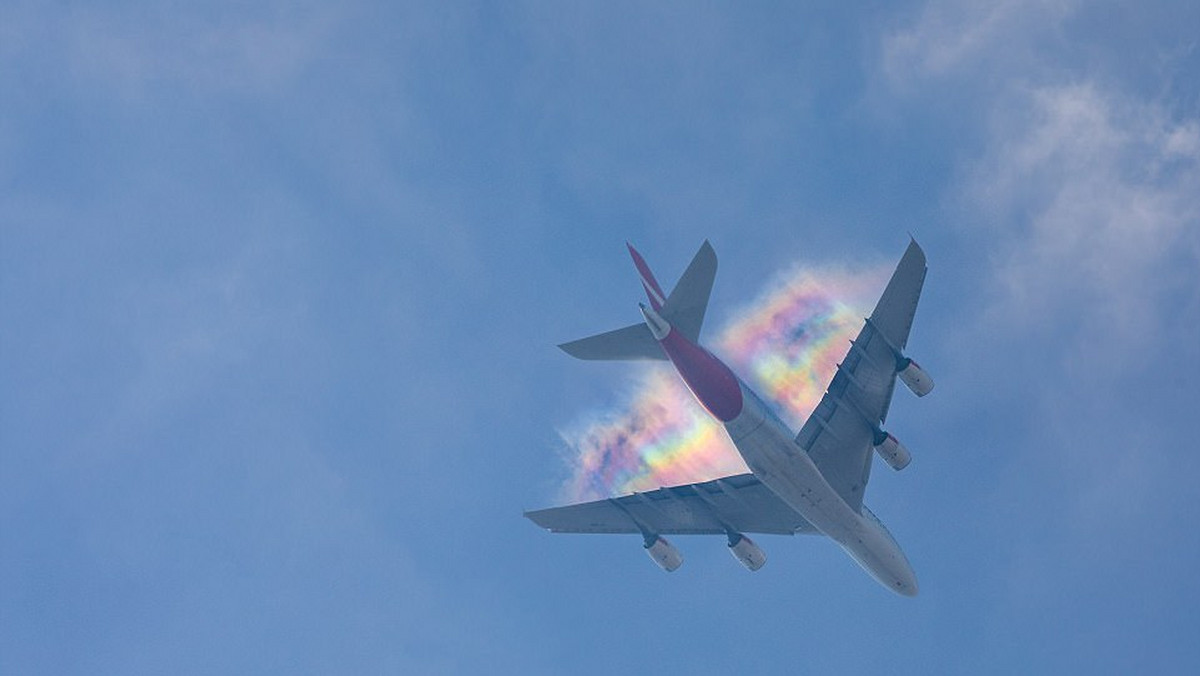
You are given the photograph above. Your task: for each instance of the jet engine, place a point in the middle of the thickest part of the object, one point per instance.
(663, 553)
(914, 376)
(745, 551)
(892, 451)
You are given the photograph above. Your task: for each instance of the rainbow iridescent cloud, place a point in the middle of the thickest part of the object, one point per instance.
(786, 345)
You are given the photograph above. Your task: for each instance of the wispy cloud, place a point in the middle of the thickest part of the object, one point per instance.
(949, 37)
(208, 49)
(162, 64)
(1087, 192)
(1082, 191)
(1092, 199)
(1097, 197)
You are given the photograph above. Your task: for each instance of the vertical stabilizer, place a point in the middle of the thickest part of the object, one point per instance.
(686, 305)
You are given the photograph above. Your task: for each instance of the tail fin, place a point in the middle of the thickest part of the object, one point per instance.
(684, 309)
(688, 301)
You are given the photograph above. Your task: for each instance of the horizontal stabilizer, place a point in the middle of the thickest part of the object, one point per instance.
(633, 342)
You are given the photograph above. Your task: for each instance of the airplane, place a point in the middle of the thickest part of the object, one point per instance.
(810, 482)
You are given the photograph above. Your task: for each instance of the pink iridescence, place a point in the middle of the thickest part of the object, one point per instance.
(785, 345)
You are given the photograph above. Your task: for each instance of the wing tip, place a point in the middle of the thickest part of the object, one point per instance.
(569, 348)
(915, 249)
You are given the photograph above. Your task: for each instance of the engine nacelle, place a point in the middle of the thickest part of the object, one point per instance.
(666, 556)
(745, 551)
(892, 451)
(914, 376)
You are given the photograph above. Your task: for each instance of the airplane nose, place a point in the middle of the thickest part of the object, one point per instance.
(907, 586)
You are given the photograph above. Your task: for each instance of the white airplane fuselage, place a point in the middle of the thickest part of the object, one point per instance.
(769, 449)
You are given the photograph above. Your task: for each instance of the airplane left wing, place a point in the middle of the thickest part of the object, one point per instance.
(737, 503)
(840, 434)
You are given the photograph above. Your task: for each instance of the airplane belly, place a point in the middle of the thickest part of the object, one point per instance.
(874, 548)
(767, 446)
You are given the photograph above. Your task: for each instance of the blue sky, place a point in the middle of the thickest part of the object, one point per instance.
(280, 285)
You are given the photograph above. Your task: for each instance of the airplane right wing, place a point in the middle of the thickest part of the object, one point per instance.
(840, 434)
(734, 503)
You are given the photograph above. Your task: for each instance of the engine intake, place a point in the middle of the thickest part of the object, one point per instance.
(663, 553)
(892, 451)
(746, 552)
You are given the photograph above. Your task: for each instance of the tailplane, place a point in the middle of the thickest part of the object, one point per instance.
(683, 309)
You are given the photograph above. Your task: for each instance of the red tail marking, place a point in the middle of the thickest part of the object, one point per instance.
(653, 291)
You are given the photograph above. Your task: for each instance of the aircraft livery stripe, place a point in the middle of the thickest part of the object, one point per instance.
(653, 290)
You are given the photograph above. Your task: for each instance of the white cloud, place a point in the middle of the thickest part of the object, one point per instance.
(1078, 209)
(951, 36)
(1091, 200)
(127, 50)
(1097, 199)
(1087, 192)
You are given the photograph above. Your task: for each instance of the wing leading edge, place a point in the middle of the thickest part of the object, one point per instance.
(738, 503)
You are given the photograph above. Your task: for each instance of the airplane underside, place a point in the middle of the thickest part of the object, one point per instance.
(767, 447)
